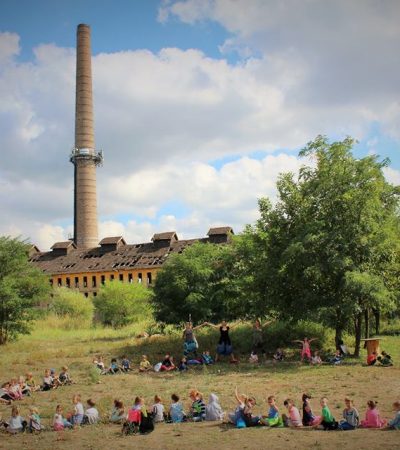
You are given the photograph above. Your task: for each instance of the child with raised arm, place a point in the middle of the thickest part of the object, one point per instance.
(305, 347)
(395, 422)
(372, 416)
(238, 415)
(224, 346)
(351, 418)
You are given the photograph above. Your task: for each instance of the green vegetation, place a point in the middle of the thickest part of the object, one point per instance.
(22, 287)
(75, 310)
(327, 251)
(118, 304)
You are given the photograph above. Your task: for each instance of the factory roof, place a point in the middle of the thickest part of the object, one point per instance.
(114, 254)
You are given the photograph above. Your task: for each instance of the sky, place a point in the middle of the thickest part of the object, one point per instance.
(199, 106)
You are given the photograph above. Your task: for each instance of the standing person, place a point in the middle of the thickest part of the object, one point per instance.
(258, 337)
(224, 347)
(190, 344)
(306, 348)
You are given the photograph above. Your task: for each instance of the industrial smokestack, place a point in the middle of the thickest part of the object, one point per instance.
(84, 156)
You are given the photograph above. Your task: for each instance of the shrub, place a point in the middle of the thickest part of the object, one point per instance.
(118, 304)
(75, 310)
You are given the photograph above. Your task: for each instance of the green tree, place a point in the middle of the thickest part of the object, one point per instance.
(118, 304)
(72, 304)
(201, 282)
(329, 248)
(22, 287)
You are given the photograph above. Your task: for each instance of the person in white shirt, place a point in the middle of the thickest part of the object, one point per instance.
(91, 416)
(158, 409)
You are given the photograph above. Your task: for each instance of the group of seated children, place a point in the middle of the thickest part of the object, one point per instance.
(383, 359)
(139, 419)
(243, 415)
(123, 366)
(16, 389)
(166, 365)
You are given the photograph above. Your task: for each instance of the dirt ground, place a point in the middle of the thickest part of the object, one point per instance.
(283, 380)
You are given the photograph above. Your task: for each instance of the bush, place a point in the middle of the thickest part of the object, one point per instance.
(72, 307)
(118, 304)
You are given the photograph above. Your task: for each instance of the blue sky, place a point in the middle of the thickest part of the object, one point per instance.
(199, 105)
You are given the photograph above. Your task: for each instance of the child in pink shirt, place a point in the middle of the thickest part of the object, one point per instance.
(294, 419)
(372, 417)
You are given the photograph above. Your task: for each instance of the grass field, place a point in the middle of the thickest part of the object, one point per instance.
(51, 348)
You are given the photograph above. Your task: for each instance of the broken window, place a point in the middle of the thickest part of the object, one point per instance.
(59, 282)
(94, 281)
(121, 277)
(130, 278)
(149, 280)
(103, 279)
(68, 282)
(112, 277)
(84, 281)
(76, 282)
(139, 277)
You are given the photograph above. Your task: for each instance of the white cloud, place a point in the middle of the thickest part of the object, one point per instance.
(162, 117)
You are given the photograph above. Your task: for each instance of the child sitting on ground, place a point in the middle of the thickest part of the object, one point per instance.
(371, 359)
(23, 387)
(351, 418)
(114, 367)
(167, 364)
(91, 416)
(198, 407)
(183, 365)
(30, 381)
(253, 358)
(34, 420)
(158, 410)
(395, 422)
(309, 419)
(207, 358)
(316, 359)
(48, 381)
(99, 363)
(278, 355)
(176, 413)
(385, 360)
(15, 389)
(64, 377)
(145, 365)
(213, 409)
(372, 417)
(273, 418)
(294, 419)
(327, 421)
(336, 358)
(16, 423)
(125, 364)
(59, 423)
(118, 412)
(76, 416)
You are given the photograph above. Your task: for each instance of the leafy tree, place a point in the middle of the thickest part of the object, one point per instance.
(118, 304)
(202, 282)
(22, 287)
(72, 304)
(329, 248)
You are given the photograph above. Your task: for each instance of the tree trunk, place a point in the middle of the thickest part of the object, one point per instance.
(366, 318)
(377, 315)
(357, 332)
(338, 336)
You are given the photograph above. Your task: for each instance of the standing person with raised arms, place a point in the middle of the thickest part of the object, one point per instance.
(258, 337)
(224, 346)
(190, 344)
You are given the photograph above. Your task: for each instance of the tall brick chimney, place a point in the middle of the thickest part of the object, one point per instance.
(84, 156)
